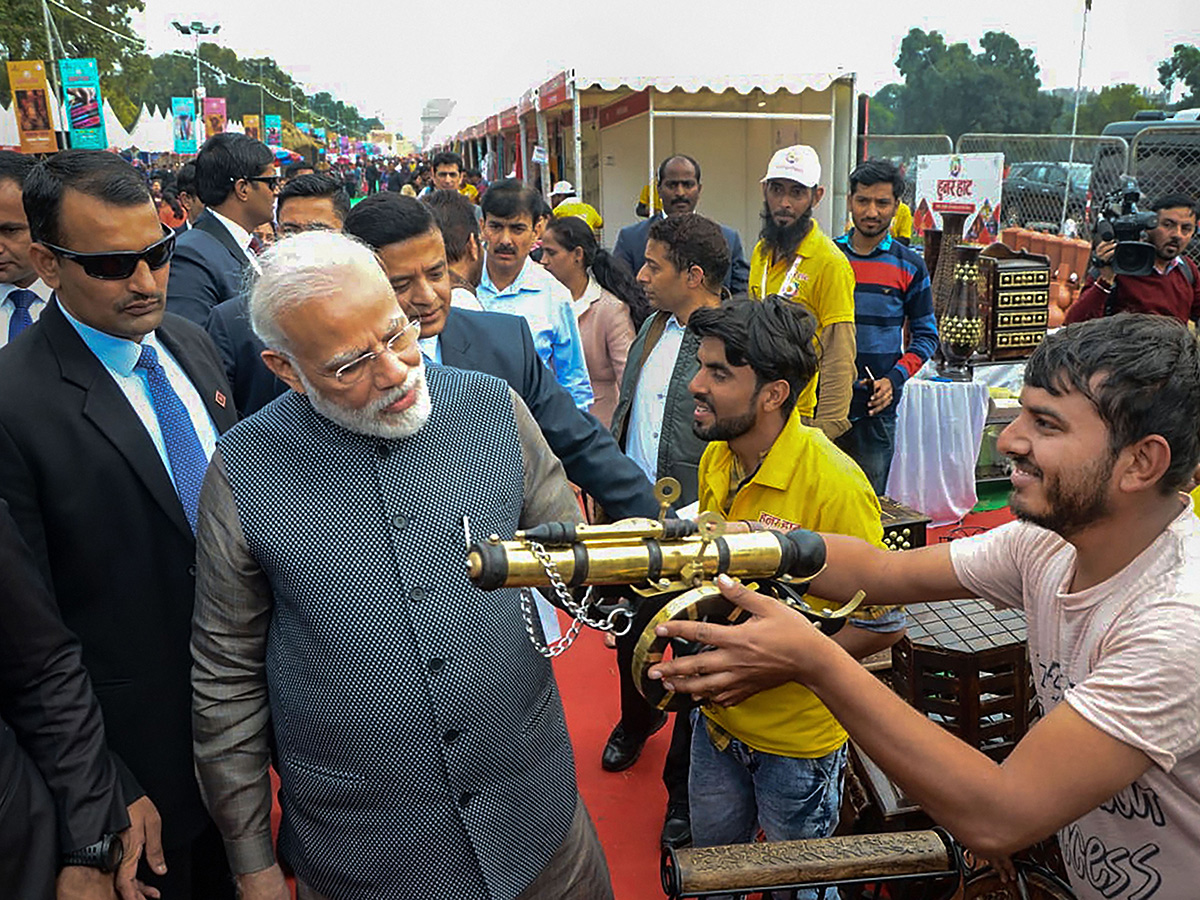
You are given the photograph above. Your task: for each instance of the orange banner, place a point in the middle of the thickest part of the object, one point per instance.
(252, 127)
(31, 104)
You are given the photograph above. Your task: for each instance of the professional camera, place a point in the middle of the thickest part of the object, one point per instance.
(1123, 222)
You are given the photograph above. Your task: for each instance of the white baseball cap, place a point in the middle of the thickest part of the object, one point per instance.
(561, 187)
(798, 163)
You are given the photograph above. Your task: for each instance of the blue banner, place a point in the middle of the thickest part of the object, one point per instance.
(319, 134)
(85, 109)
(183, 112)
(274, 127)
(303, 128)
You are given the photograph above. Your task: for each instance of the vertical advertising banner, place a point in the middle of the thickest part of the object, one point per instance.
(274, 126)
(331, 140)
(81, 94)
(319, 136)
(968, 183)
(252, 126)
(344, 144)
(183, 125)
(31, 105)
(303, 128)
(214, 115)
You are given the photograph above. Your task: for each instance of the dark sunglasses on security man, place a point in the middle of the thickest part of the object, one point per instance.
(121, 265)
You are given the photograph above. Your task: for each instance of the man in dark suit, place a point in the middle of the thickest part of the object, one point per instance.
(307, 203)
(236, 181)
(61, 784)
(679, 187)
(109, 413)
(404, 234)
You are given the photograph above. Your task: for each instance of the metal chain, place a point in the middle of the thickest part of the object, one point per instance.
(578, 610)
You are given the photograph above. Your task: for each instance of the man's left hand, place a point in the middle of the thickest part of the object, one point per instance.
(761, 653)
(881, 396)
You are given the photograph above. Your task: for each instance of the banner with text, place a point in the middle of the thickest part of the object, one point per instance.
(31, 105)
(252, 126)
(85, 110)
(968, 183)
(183, 124)
(214, 116)
(274, 126)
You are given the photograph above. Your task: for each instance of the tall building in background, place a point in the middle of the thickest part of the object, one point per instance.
(432, 115)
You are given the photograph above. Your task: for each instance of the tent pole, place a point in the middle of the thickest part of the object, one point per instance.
(652, 181)
(577, 121)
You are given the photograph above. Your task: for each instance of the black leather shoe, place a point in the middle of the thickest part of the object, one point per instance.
(677, 829)
(622, 750)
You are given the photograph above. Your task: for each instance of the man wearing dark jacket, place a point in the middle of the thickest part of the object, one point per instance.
(405, 235)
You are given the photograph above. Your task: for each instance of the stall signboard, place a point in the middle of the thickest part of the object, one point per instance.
(183, 124)
(968, 183)
(274, 126)
(214, 115)
(252, 125)
(508, 119)
(31, 105)
(555, 91)
(85, 110)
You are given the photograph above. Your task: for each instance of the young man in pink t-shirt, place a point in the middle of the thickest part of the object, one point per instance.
(1105, 563)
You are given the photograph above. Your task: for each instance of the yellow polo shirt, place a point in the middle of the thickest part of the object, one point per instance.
(576, 207)
(644, 198)
(822, 280)
(803, 482)
(902, 222)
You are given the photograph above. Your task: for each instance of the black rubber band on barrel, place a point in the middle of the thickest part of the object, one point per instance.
(654, 560)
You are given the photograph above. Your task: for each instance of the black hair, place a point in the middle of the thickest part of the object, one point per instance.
(878, 171)
(316, 185)
(15, 166)
(185, 179)
(693, 240)
(474, 173)
(445, 158)
(93, 173)
(455, 216)
(294, 169)
(170, 196)
(224, 159)
(1149, 382)
(388, 218)
(509, 198)
(612, 273)
(662, 166)
(1175, 200)
(774, 338)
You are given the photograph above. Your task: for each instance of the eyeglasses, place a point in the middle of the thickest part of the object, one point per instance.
(119, 266)
(271, 181)
(403, 340)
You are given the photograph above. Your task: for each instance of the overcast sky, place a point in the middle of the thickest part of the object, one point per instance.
(387, 58)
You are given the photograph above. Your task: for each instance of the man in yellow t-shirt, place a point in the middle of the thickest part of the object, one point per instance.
(564, 202)
(795, 259)
(775, 759)
(902, 225)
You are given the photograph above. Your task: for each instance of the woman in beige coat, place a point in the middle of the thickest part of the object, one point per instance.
(608, 303)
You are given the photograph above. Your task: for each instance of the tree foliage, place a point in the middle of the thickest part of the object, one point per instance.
(949, 89)
(1114, 103)
(1183, 67)
(130, 78)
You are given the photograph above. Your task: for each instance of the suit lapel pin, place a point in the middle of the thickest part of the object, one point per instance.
(220, 398)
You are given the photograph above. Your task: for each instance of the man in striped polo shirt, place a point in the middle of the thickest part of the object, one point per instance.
(892, 288)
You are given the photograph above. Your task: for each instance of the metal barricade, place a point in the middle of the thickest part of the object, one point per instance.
(1052, 178)
(903, 150)
(1166, 160)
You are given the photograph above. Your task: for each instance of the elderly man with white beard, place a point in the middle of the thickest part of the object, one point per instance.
(418, 734)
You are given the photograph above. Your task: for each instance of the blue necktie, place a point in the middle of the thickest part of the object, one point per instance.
(188, 461)
(21, 319)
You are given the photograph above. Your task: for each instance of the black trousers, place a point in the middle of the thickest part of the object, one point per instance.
(196, 871)
(638, 716)
(28, 832)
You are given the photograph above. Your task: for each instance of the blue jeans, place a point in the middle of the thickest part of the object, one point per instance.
(734, 792)
(870, 442)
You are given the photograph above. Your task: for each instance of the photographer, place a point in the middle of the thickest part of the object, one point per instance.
(1171, 289)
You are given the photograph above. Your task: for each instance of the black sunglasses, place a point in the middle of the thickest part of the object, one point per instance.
(119, 266)
(271, 181)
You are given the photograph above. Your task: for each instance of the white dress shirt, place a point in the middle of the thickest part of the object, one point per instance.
(242, 236)
(650, 399)
(7, 308)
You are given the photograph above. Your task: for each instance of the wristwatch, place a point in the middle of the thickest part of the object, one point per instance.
(106, 854)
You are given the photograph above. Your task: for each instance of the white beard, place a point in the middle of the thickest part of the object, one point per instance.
(371, 420)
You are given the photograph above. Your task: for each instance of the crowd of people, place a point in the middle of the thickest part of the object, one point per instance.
(246, 416)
